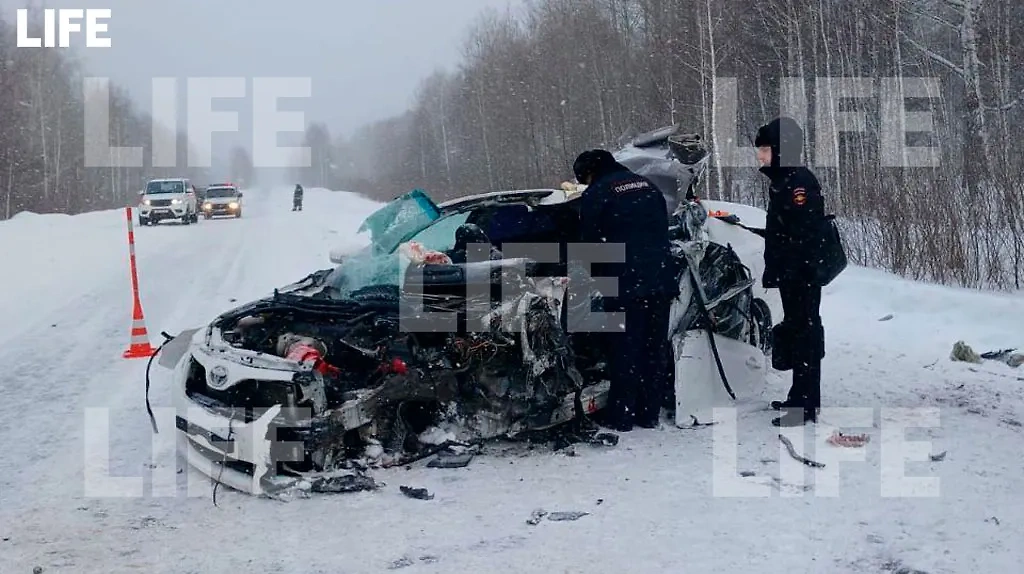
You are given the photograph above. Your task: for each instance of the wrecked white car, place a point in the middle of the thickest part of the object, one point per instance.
(443, 332)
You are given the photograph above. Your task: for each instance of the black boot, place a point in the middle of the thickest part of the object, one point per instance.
(648, 422)
(796, 417)
(786, 404)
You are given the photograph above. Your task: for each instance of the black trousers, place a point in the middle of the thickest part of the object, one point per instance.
(638, 361)
(806, 347)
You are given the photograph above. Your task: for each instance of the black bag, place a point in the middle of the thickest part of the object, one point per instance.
(791, 345)
(832, 258)
(782, 347)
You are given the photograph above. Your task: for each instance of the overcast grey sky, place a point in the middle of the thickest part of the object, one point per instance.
(365, 57)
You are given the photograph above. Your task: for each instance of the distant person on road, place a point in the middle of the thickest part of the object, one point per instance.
(297, 198)
(621, 207)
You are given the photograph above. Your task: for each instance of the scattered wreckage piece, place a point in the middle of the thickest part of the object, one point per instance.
(566, 516)
(1009, 356)
(448, 459)
(963, 353)
(796, 456)
(353, 482)
(417, 493)
(540, 514)
(838, 438)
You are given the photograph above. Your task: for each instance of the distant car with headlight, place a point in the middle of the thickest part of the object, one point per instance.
(165, 199)
(222, 200)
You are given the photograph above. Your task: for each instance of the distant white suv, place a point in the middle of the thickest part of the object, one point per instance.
(169, 199)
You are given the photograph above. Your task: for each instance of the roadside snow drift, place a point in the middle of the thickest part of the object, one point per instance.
(86, 487)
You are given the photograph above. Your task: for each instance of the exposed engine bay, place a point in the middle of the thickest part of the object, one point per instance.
(369, 390)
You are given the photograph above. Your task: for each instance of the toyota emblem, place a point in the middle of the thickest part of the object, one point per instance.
(218, 376)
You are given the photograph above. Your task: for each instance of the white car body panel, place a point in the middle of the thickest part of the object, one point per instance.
(699, 388)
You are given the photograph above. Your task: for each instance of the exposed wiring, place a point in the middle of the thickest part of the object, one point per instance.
(223, 462)
(149, 365)
(709, 325)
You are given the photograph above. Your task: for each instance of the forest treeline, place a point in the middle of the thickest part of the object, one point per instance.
(538, 85)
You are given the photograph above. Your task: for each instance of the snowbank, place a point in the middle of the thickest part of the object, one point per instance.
(926, 319)
(50, 260)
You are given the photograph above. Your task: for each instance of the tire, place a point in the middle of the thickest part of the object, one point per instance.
(238, 215)
(143, 222)
(762, 317)
(207, 216)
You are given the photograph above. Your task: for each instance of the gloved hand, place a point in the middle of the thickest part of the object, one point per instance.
(733, 219)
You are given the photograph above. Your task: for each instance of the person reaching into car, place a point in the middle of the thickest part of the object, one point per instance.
(467, 235)
(793, 236)
(621, 207)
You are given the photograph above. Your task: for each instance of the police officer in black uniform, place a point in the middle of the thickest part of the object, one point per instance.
(793, 239)
(621, 207)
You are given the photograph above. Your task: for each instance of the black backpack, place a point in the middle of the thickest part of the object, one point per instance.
(832, 258)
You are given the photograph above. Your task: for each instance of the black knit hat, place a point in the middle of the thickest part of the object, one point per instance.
(786, 139)
(593, 163)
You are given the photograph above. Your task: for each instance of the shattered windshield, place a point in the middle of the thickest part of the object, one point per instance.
(370, 267)
(399, 220)
(366, 269)
(380, 264)
(441, 235)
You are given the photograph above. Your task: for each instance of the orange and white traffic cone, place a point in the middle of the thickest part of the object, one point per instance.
(139, 347)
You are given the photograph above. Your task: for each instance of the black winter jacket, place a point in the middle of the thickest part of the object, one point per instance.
(794, 227)
(621, 207)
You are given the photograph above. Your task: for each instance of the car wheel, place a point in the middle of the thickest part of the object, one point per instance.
(761, 315)
(143, 222)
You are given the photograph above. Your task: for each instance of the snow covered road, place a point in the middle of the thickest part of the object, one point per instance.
(656, 502)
